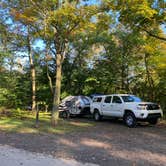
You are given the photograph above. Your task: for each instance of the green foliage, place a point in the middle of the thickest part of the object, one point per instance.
(142, 15)
(16, 113)
(108, 49)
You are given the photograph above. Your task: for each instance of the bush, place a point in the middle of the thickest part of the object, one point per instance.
(4, 112)
(14, 113)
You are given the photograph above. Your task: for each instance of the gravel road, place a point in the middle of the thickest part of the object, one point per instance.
(108, 143)
(10, 156)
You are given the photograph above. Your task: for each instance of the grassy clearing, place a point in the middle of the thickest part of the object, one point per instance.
(164, 116)
(164, 119)
(26, 123)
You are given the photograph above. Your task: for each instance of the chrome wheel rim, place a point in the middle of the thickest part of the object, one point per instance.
(96, 116)
(129, 120)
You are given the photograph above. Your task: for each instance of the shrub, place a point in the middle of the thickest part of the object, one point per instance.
(14, 113)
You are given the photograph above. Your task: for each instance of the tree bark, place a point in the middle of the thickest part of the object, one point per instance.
(33, 73)
(122, 69)
(149, 78)
(33, 76)
(57, 90)
(37, 117)
(49, 79)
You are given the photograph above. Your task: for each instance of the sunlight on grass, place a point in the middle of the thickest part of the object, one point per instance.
(162, 122)
(27, 130)
(81, 124)
(26, 124)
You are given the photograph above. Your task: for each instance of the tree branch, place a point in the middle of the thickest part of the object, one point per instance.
(155, 36)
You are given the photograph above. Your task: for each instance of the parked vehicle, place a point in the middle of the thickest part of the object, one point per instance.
(128, 107)
(74, 105)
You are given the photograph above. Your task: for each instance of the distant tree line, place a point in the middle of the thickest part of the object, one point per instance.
(50, 49)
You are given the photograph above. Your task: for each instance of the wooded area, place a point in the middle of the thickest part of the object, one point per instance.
(50, 49)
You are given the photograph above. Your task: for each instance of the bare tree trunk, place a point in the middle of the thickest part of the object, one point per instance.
(149, 78)
(122, 71)
(33, 74)
(49, 79)
(47, 66)
(60, 46)
(57, 91)
(37, 116)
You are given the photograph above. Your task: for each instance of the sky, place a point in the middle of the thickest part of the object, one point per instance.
(163, 27)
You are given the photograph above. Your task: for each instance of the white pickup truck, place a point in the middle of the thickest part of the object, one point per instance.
(128, 107)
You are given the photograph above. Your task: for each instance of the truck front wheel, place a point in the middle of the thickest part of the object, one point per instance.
(130, 119)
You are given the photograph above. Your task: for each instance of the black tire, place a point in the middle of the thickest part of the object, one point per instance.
(130, 120)
(153, 121)
(65, 114)
(97, 116)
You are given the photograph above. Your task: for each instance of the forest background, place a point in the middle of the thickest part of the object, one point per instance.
(50, 49)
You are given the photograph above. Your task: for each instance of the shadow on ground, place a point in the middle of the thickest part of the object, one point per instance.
(107, 143)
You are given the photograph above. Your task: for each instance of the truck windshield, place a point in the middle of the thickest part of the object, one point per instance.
(131, 99)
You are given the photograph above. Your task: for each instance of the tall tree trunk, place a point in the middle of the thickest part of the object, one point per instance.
(33, 74)
(57, 90)
(149, 78)
(122, 71)
(47, 66)
(49, 79)
(33, 77)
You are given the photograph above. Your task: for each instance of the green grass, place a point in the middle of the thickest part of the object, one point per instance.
(164, 117)
(163, 120)
(26, 124)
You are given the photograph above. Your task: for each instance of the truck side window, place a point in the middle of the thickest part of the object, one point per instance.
(116, 99)
(108, 99)
(97, 99)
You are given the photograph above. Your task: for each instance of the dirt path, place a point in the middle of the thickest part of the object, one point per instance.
(10, 156)
(106, 144)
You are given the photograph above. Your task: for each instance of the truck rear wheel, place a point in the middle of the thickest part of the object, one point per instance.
(97, 116)
(130, 119)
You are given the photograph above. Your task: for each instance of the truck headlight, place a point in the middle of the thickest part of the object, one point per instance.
(141, 107)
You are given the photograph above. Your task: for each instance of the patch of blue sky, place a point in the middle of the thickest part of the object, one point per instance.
(163, 27)
(39, 44)
(90, 2)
